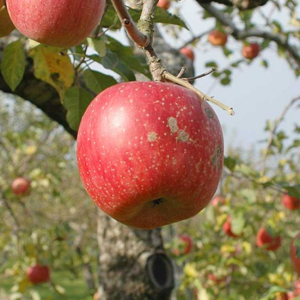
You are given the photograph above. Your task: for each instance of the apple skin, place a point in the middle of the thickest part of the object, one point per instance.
(38, 274)
(227, 228)
(217, 38)
(290, 202)
(295, 260)
(188, 52)
(6, 25)
(164, 4)
(59, 23)
(218, 201)
(250, 51)
(150, 153)
(21, 186)
(264, 239)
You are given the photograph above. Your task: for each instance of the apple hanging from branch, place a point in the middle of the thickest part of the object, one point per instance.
(150, 153)
(188, 52)
(290, 202)
(59, 23)
(265, 238)
(21, 186)
(38, 274)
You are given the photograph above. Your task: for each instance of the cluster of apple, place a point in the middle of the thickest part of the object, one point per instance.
(218, 38)
(268, 241)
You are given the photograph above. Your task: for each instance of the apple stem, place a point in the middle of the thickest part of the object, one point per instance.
(182, 82)
(142, 35)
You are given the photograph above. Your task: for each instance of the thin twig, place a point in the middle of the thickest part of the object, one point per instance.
(274, 131)
(202, 96)
(201, 75)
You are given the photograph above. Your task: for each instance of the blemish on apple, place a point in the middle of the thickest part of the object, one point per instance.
(172, 123)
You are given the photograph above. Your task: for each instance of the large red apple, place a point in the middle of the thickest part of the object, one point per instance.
(20, 186)
(227, 228)
(250, 51)
(164, 4)
(217, 38)
(267, 240)
(150, 153)
(295, 260)
(38, 274)
(60, 23)
(290, 202)
(188, 52)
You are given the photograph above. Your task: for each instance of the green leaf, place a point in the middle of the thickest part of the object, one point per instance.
(112, 62)
(97, 82)
(237, 223)
(111, 20)
(265, 63)
(248, 194)
(76, 101)
(13, 64)
(98, 44)
(163, 16)
(230, 163)
(126, 55)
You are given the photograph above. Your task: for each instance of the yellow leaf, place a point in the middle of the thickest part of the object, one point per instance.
(227, 249)
(53, 67)
(30, 150)
(190, 271)
(247, 247)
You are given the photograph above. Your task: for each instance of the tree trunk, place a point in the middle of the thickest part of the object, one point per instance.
(133, 263)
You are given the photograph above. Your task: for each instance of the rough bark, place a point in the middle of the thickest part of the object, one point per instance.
(240, 4)
(133, 264)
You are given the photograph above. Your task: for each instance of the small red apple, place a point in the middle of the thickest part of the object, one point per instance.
(282, 296)
(59, 23)
(188, 52)
(38, 274)
(295, 260)
(164, 4)
(217, 38)
(215, 279)
(186, 243)
(96, 296)
(227, 228)
(297, 287)
(250, 51)
(218, 201)
(265, 239)
(290, 202)
(150, 153)
(20, 186)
